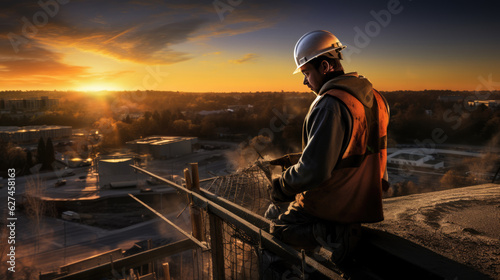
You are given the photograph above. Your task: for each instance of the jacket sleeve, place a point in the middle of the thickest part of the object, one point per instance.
(326, 131)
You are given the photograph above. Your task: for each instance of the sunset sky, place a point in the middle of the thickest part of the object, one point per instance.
(242, 45)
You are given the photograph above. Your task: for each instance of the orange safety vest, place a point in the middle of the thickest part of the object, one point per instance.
(353, 193)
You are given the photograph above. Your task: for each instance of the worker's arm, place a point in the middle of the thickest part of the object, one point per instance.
(326, 128)
(286, 160)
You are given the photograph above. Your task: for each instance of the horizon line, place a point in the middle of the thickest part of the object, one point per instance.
(257, 91)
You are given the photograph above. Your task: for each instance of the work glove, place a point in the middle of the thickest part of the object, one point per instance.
(277, 194)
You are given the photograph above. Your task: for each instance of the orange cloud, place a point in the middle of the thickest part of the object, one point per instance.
(246, 58)
(35, 67)
(134, 31)
(149, 37)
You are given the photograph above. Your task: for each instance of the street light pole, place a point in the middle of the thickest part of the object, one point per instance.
(64, 227)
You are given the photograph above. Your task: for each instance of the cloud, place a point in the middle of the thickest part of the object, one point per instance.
(36, 63)
(212, 53)
(37, 67)
(146, 33)
(154, 33)
(99, 19)
(142, 43)
(129, 31)
(249, 57)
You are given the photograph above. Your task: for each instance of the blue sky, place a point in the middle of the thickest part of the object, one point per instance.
(92, 45)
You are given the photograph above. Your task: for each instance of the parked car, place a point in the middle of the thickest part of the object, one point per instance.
(60, 182)
(68, 173)
(70, 216)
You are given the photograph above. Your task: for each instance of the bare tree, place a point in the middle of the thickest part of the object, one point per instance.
(35, 207)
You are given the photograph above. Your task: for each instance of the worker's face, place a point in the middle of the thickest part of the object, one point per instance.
(313, 78)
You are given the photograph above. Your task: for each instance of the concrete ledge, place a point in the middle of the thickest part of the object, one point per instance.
(392, 257)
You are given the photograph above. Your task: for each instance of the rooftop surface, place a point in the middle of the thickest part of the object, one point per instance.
(461, 224)
(114, 160)
(159, 140)
(408, 156)
(30, 128)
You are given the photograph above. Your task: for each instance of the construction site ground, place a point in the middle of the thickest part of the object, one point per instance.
(461, 224)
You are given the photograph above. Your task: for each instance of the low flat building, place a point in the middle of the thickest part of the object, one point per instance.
(31, 134)
(404, 157)
(163, 147)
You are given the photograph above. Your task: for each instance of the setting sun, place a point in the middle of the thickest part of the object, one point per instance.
(98, 89)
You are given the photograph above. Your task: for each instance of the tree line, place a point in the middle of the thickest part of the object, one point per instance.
(415, 115)
(122, 117)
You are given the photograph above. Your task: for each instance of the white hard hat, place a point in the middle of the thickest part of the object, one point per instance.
(314, 44)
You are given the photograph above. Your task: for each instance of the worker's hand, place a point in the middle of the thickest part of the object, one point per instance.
(286, 160)
(277, 194)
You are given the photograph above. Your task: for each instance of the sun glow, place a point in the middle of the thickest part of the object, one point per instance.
(98, 89)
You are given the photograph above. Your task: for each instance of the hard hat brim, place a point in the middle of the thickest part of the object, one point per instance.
(297, 70)
(335, 53)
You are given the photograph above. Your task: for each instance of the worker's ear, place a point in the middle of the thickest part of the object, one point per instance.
(326, 67)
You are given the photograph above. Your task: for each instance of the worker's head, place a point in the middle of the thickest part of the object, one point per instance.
(319, 70)
(317, 55)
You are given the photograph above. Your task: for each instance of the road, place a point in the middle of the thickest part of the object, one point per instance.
(56, 242)
(46, 181)
(62, 242)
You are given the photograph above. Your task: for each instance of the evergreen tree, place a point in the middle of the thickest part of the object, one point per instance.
(29, 159)
(147, 115)
(40, 152)
(49, 153)
(166, 119)
(4, 164)
(156, 116)
(127, 119)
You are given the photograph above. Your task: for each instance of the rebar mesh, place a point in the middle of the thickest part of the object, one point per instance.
(240, 254)
(249, 189)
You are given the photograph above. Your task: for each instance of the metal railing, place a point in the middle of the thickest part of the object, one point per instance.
(222, 214)
(254, 226)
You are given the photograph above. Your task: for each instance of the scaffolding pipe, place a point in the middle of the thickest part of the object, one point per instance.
(198, 242)
(268, 241)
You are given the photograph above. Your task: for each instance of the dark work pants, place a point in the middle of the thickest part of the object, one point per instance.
(301, 230)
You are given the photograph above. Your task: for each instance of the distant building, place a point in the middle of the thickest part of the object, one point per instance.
(234, 108)
(163, 147)
(213, 112)
(230, 109)
(404, 157)
(487, 103)
(31, 134)
(31, 104)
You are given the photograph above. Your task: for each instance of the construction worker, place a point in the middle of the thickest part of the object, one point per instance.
(338, 180)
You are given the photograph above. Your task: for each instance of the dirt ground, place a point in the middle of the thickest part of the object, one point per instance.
(461, 224)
